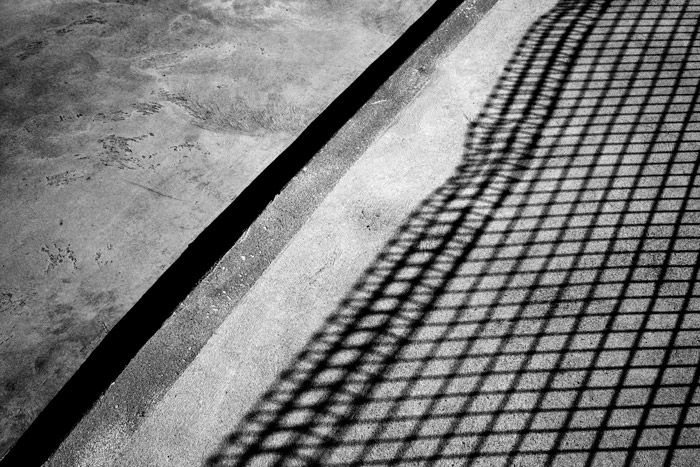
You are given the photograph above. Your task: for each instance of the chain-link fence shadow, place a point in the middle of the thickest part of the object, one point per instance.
(542, 307)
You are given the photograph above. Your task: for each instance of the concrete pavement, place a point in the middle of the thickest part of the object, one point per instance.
(527, 297)
(126, 127)
(305, 283)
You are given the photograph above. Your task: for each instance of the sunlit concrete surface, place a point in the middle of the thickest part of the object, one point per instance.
(529, 297)
(307, 282)
(125, 127)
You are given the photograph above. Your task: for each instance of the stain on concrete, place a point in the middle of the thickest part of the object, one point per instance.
(29, 49)
(63, 178)
(58, 255)
(147, 108)
(117, 152)
(135, 123)
(103, 256)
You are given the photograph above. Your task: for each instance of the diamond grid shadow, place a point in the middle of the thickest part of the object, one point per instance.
(542, 307)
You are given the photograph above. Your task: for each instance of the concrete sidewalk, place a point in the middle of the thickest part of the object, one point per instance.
(527, 298)
(126, 127)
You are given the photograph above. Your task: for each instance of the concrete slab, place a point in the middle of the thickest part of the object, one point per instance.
(273, 322)
(125, 128)
(136, 388)
(541, 304)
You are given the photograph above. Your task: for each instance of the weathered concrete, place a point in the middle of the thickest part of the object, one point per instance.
(540, 304)
(149, 375)
(304, 284)
(125, 127)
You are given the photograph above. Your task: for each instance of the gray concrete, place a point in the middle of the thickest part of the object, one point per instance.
(125, 128)
(318, 267)
(156, 367)
(529, 298)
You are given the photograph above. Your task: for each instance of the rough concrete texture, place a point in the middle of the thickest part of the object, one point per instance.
(541, 304)
(102, 433)
(125, 127)
(305, 283)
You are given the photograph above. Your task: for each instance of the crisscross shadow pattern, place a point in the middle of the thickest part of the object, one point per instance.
(542, 307)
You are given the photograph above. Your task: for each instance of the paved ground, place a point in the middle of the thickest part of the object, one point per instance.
(529, 297)
(525, 295)
(125, 128)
